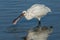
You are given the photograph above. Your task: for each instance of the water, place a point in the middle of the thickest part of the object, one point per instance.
(10, 9)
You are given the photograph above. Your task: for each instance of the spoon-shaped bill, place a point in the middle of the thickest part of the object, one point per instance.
(18, 18)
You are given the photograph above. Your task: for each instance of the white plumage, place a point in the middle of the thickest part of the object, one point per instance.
(35, 11)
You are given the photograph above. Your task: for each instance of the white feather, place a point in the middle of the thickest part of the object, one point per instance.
(36, 11)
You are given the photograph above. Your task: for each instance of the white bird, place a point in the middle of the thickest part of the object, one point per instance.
(35, 11)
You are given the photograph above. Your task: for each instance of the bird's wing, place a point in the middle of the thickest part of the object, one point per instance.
(17, 19)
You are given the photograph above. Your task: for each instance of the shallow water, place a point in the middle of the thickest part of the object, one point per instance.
(10, 9)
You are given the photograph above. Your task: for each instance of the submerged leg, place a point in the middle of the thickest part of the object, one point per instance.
(39, 23)
(38, 26)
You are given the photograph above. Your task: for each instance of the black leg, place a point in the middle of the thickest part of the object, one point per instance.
(39, 23)
(38, 26)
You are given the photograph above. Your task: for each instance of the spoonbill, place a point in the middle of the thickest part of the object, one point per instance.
(35, 11)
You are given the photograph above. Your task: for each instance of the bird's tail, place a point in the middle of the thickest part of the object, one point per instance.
(49, 10)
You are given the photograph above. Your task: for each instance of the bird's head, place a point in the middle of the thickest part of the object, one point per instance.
(23, 11)
(19, 17)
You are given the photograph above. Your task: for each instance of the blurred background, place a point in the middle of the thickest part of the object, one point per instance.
(10, 9)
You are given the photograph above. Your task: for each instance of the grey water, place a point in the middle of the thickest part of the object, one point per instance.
(10, 9)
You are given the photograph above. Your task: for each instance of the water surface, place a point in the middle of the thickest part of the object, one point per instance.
(10, 9)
